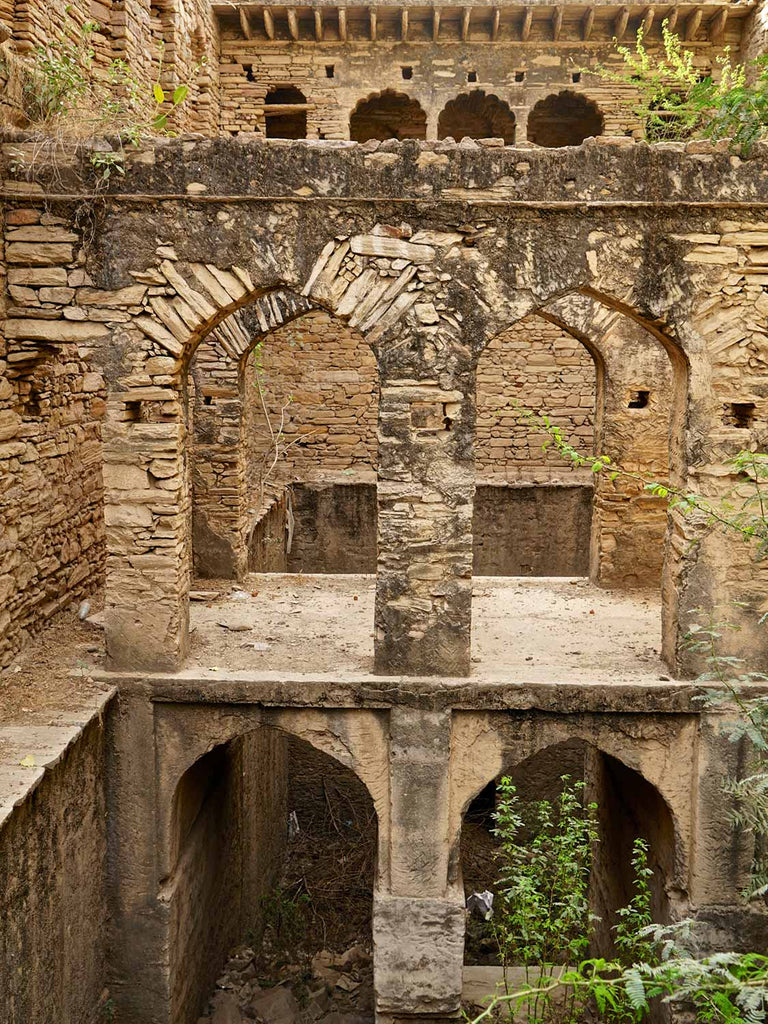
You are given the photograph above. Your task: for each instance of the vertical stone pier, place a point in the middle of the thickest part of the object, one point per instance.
(425, 495)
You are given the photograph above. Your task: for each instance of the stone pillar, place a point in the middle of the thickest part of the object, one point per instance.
(146, 499)
(418, 923)
(425, 496)
(219, 496)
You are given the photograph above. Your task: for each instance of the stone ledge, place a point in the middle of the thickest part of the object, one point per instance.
(45, 745)
(276, 690)
(599, 171)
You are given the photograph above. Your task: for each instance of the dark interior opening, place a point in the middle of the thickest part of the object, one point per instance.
(285, 124)
(475, 115)
(638, 399)
(565, 119)
(391, 115)
(739, 414)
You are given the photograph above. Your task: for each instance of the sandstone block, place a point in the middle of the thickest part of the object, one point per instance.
(39, 253)
(54, 330)
(130, 296)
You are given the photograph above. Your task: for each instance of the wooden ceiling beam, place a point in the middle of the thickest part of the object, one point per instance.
(693, 23)
(620, 25)
(647, 22)
(373, 23)
(319, 24)
(672, 19)
(466, 15)
(716, 25)
(557, 22)
(293, 24)
(435, 23)
(525, 29)
(269, 23)
(495, 24)
(587, 22)
(245, 24)
(343, 24)
(404, 24)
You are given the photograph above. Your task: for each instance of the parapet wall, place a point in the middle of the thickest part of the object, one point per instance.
(53, 873)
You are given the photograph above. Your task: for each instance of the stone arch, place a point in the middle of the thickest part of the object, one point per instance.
(477, 115)
(226, 844)
(281, 121)
(564, 119)
(613, 332)
(629, 806)
(387, 115)
(247, 487)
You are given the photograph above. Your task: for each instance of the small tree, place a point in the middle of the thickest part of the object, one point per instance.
(674, 100)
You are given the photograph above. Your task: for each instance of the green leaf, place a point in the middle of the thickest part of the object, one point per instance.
(160, 122)
(180, 94)
(158, 93)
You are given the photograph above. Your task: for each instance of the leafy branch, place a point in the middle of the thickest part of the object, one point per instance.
(674, 100)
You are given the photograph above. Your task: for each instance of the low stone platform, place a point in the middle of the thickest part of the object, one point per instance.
(524, 630)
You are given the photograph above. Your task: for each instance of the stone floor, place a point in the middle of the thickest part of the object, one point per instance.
(524, 630)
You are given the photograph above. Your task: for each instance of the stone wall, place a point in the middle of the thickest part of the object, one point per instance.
(51, 408)
(335, 77)
(541, 368)
(53, 894)
(130, 30)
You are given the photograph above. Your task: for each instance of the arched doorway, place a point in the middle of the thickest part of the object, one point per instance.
(476, 115)
(564, 119)
(625, 806)
(273, 857)
(387, 115)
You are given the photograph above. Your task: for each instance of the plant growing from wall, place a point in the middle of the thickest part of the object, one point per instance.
(657, 961)
(67, 98)
(674, 100)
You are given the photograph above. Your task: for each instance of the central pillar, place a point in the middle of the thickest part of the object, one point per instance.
(418, 921)
(425, 495)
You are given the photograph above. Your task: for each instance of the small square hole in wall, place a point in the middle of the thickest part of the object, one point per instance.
(248, 68)
(133, 412)
(576, 77)
(519, 76)
(638, 399)
(471, 76)
(407, 72)
(207, 399)
(739, 414)
(330, 71)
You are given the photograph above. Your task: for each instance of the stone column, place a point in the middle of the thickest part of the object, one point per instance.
(146, 499)
(425, 496)
(418, 923)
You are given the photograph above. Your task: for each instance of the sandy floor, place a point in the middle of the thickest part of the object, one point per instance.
(524, 630)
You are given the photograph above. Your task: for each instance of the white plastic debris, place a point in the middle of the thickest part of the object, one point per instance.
(481, 903)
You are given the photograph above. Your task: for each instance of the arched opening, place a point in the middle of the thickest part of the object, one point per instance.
(533, 510)
(273, 856)
(476, 115)
(564, 119)
(283, 468)
(283, 122)
(628, 807)
(388, 115)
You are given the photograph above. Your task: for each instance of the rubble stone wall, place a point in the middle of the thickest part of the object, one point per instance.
(53, 894)
(428, 288)
(437, 73)
(52, 404)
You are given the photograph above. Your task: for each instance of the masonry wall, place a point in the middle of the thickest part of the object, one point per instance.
(53, 893)
(438, 72)
(51, 408)
(137, 31)
(539, 368)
